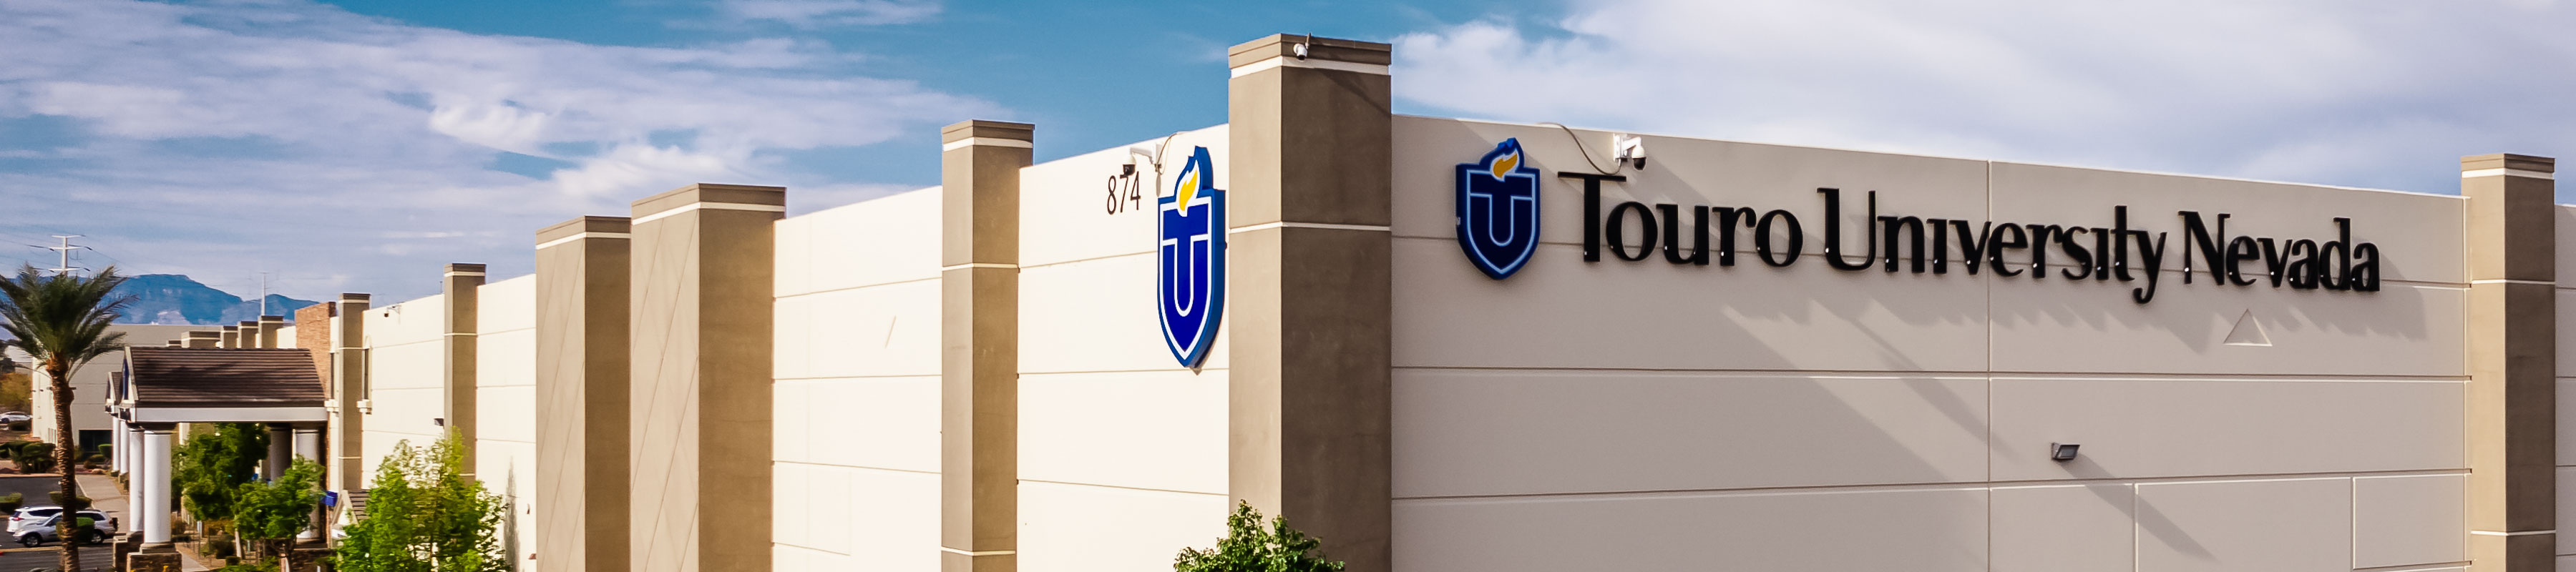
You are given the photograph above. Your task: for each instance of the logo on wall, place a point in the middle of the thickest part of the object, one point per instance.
(1498, 210)
(1189, 229)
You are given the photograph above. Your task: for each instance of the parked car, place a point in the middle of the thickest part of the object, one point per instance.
(36, 532)
(31, 515)
(16, 417)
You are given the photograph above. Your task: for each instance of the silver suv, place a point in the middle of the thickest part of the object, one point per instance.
(32, 530)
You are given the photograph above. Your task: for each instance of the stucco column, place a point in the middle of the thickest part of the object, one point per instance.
(582, 275)
(703, 310)
(269, 326)
(463, 288)
(116, 442)
(1311, 147)
(153, 494)
(308, 446)
(203, 339)
(231, 337)
(348, 387)
(281, 450)
(2512, 355)
(979, 368)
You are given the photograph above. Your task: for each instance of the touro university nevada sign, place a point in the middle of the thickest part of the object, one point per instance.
(1499, 238)
(1189, 225)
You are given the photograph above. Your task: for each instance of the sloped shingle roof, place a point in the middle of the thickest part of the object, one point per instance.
(224, 377)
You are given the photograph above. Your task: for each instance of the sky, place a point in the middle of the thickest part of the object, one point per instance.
(356, 146)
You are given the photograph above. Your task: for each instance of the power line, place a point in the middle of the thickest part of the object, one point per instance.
(64, 266)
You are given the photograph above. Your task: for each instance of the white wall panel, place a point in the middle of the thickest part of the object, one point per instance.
(1494, 432)
(2302, 525)
(1560, 312)
(1066, 528)
(2145, 428)
(2065, 528)
(1096, 316)
(887, 239)
(885, 423)
(1162, 430)
(2408, 520)
(1915, 530)
(890, 329)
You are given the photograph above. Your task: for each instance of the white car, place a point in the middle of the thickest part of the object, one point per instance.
(16, 417)
(36, 531)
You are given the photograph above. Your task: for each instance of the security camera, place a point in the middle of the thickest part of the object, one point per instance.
(1147, 152)
(1629, 148)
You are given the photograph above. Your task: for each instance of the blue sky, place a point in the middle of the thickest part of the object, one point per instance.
(355, 146)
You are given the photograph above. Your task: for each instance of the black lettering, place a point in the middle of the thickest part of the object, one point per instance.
(1762, 238)
(2212, 246)
(2101, 253)
(2239, 250)
(2338, 250)
(1728, 218)
(1972, 247)
(1618, 236)
(2365, 268)
(1910, 227)
(2120, 232)
(1940, 246)
(1673, 239)
(1834, 231)
(2303, 264)
(2082, 267)
(2152, 257)
(2007, 236)
(2272, 261)
(2039, 248)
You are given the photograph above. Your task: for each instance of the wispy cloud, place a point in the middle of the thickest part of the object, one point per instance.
(811, 14)
(290, 135)
(2378, 93)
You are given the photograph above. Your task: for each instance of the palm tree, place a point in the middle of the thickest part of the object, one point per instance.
(62, 321)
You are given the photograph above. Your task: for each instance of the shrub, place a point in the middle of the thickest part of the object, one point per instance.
(10, 503)
(34, 457)
(1246, 547)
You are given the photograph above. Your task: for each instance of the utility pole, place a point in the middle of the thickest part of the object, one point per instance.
(65, 253)
(263, 293)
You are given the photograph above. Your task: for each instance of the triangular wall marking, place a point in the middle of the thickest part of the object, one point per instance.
(2248, 332)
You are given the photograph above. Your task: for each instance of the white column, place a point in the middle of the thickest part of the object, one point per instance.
(281, 444)
(154, 510)
(116, 442)
(308, 445)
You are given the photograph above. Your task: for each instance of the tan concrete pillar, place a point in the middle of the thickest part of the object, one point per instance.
(2512, 355)
(979, 367)
(1310, 142)
(348, 470)
(463, 288)
(582, 278)
(702, 311)
(247, 334)
(269, 327)
(231, 337)
(204, 339)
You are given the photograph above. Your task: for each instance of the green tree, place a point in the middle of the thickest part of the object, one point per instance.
(33, 457)
(211, 467)
(1247, 547)
(62, 320)
(425, 515)
(271, 513)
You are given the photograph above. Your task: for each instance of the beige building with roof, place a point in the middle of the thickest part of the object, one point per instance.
(1441, 344)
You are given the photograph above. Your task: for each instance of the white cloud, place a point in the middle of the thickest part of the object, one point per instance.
(298, 137)
(2379, 93)
(810, 14)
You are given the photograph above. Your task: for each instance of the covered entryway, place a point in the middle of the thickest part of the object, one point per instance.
(164, 387)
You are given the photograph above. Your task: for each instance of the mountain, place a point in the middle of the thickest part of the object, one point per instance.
(177, 299)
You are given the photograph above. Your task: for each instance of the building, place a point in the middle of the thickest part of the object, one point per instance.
(89, 386)
(1441, 344)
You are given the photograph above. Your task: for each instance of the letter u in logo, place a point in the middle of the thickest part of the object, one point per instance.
(1498, 210)
(1189, 251)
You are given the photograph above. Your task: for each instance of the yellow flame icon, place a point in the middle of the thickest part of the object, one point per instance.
(1187, 188)
(1503, 165)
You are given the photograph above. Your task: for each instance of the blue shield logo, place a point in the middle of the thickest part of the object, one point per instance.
(1498, 210)
(1189, 225)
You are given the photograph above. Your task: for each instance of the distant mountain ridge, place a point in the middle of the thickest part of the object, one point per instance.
(177, 299)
